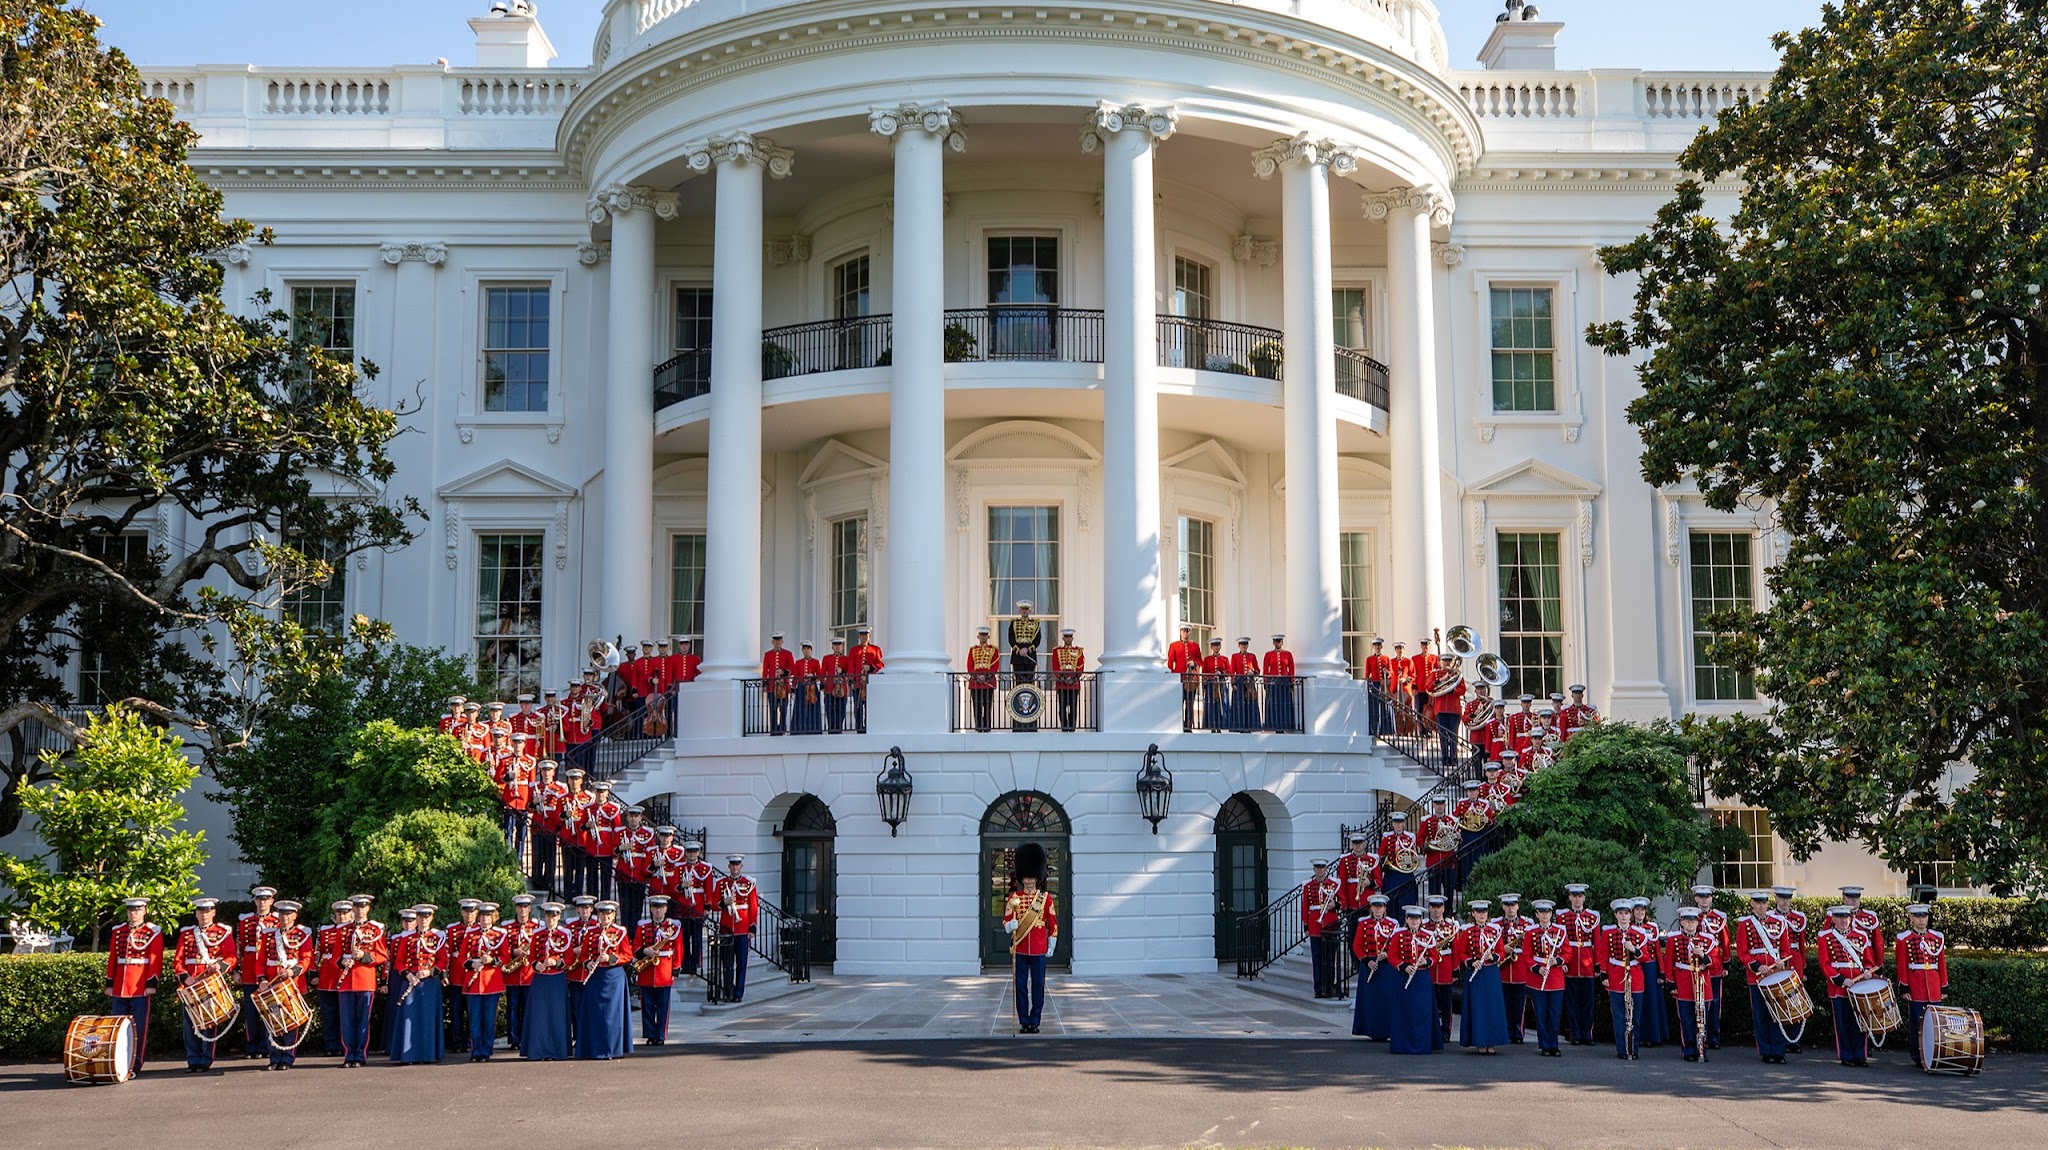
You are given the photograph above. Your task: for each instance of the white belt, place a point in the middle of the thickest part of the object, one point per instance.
(131, 961)
(1578, 944)
(1920, 966)
(1845, 966)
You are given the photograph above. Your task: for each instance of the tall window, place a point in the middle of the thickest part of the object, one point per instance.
(1524, 350)
(318, 606)
(859, 343)
(325, 316)
(1348, 308)
(1198, 577)
(1024, 562)
(1190, 288)
(849, 576)
(1354, 572)
(686, 585)
(1531, 613)
(114, 636)
(516, 347)
(1750, 866)
(1187, 344)
(1722, 580)
(508, 612)
(1023, 296)
(693, 319)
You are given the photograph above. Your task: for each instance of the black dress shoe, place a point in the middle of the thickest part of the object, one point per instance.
(1692, 1058)
(1713, 1046)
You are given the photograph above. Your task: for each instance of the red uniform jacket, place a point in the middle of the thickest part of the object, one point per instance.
(1795, 922)
(482, 960)
(515, 789)
(1371, 938)
(1487, 734)
(807, 673)
(606, 946)
(1762, 942)
(220, 947)
(1474, 802)
(1683, 954)
(527, 722)
(1184, 658)
(1391, 845)
(450, 723)
(663, 939)
(359, 949)
(1244, 663)
(778, 667)
(301, 955)
(663, 868)
(636, 853)
(867, 659)
(1380, 669)
(982, 659)
(1582, 930)
(1866, 921)
(1443, 947)
(1216, 666)
(135, 957)
(553, 950)
(738, 904)
(1546, 956)
(1844, 958)
(329, 972)
(250, 931)
(547, 805)
(1037, 940)
(425, 953)
(553, 718)
(607, 818)
(1321, 905)
(451, 936)
(576, 816)
(1278, 662)
(1359, 876)
(692, 887)
(1610, 949)
(1408, 948)
(1480, 943)
(1422, 671)
(1067, 665)
(579, 930)
(1517, 928)
(1431, 827)
(1451, 702)
(837, 672)
(1921, 958)
(684, 668)
(520, 936)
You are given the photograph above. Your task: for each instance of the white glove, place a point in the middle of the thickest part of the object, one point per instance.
(1010, 926)
(1052, 943)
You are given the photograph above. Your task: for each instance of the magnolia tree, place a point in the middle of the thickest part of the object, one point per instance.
(1862, 348)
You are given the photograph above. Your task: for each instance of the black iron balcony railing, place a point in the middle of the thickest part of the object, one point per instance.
(811, 705)
(1011, 333)
(1242, 703)
(992, 701)
(1360, 376)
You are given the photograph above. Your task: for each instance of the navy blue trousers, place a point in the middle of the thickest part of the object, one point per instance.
(483, 1024)
(1770, 1037)
(1030, 980)
(355, 1024)
(137, 1010)
(654, 1012)
(1617, 1005)
(1578, 1012)
(1549, 1009)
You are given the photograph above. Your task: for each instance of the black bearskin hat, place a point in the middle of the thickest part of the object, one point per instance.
(1029, 862)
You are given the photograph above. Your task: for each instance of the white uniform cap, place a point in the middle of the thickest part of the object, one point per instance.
(1479, 904)
(1575, 888)
(735, 859)
(1703, 888)
(1919, 908)
(1787, 891)
(1691, 912)
(1319, 862)
(1543, 904)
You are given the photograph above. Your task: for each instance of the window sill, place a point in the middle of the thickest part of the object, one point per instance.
(1494, 420)
(466, 427)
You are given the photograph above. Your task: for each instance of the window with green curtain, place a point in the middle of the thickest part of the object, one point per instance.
(1355, 571)
(849, 538)
(1531, 613)
(1524, 350)
(1024, 562)
(1722, 580)
(1197, 606)
(686, 585)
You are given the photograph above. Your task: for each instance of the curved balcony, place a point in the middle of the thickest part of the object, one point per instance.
(1021, 333)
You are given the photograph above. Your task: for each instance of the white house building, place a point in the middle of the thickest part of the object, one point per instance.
(1262, 317)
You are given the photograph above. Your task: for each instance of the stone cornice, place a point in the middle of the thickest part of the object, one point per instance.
(1368, 72)
(431, 254)
(359, 170)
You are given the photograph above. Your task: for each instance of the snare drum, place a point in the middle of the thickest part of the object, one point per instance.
(1785, 997)
(1876, 1007)
(283, 1008)
(209, 1000)
(1951, 1040)
(99, 1048)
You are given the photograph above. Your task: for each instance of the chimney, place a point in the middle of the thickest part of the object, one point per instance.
(1521, 41)
(511, 37)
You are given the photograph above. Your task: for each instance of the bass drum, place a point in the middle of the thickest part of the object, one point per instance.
(99, 1048)
(1951, 1040)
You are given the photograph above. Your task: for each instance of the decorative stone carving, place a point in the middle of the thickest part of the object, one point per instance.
(1437, 205)
(592, 254)
(561, 535)
(1108, 119)
(938, 119)
(451, 534)
(878, 514)
(792, 248)
(236, 255)
(1255, 250)
(1671, 531)
(465, 433)
(554, 433)
(743, 147)
(810, 523)
(1449, 255)
(1082, 482)
(962, 518)
(1479, 533)
(1267, 161)
(620, 198)
(1486, 431)
(1585, 533)
(433, 255)
(1571, 433)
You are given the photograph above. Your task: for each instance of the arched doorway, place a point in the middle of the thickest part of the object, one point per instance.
(1240, 868)
(1015, 819)
(810, 873)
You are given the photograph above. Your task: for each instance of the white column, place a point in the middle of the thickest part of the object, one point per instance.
(1413, 433)
(1315, 604)
(919, 135)
(1133, 609)
(732, 514)
(625, 586)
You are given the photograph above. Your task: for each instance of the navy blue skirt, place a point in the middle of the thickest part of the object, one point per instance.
(1372, 1013)
(1654, 1023)
(547, 1017)
(604, 1024)
(416, 1033)
(1415, 1022)
(1484, 1019)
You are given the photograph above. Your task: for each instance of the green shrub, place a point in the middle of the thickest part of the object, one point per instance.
(1539, 867)
(41, 993)
(434, 856)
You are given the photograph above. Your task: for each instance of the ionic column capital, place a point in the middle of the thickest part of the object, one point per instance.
(742, 148)
(618, 199)
(1302, 149)
(1107, 119)
(1432, 202)
(935, 119)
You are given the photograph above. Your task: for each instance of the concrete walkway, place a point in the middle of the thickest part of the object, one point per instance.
(1148, 1006)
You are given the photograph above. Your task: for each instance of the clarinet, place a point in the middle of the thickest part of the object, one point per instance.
(1699, 1007)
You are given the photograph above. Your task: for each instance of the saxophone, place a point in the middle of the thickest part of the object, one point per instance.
(521, 954)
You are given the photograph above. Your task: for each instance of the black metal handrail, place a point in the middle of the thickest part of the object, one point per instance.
(1218, 345)
(826, 345)
(1265, 935)
(1360, 376)
(780, 938)
(1417, 738)
(990, 702)
(685, 375)
(1245, 703)
(1024, 331)
(618, 745)
(810, 705)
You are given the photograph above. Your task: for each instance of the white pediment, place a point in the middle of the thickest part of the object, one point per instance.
(328, 485)
(1208, 460)
(835, 460)
(506, 479)
(1532, 478)
(1023, 441)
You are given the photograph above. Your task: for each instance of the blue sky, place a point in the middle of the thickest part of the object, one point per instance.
(1654, 34)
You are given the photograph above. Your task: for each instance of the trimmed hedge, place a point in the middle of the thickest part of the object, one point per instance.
(41, 993)
(1975, 923)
